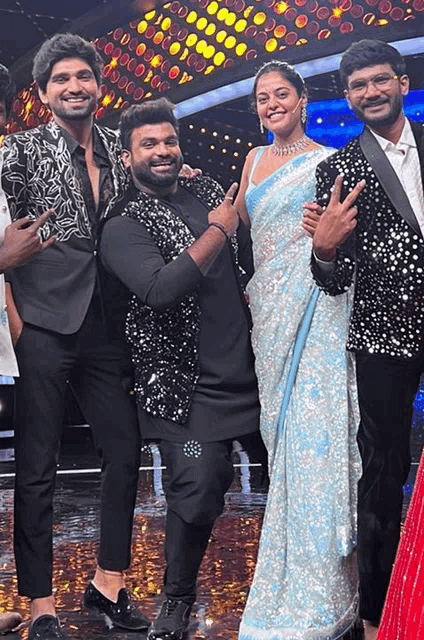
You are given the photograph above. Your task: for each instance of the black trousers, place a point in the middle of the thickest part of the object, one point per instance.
(197, 477)
(386, 389)
(96, 369)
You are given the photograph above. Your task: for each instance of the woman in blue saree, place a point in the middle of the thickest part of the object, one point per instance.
(305, 584)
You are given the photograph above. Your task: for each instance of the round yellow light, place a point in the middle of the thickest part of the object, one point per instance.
(191, 40)
(209, 52)
(230, 19)
(209, 69)
(241, 49)
(142, 26)
(210, 29)
(220, 36)
(222, 14)
(201, 24)
(230, 42)
(150, 15)
(259, 18)
(174, 48)
(240, 25)
(201, 46)
(192, 17)
(156, 61)
(271, 45)
(166, 23)
(219, 58)
(212, 8)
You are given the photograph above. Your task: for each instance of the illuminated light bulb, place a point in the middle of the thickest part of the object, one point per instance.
(233, 167)
(259, 18)
(250, 144)
(280, 31)
(201, 24)
(150, 15)
(247, 12)
(222, 14)
(209, 69)
(202, 130)
(337, 12)
(212, 8)
(271, 45)
(319, 120)
(212, 148)
(166, 23)
(238, 140)
(191, 40)
(230, 19)
(281, 7)
(226, 137)
(140, 49)
(223, 150)
(113, 63)
(219, 58)
(209, 52)
(184, 54)
(191, 126)
(214, 133)
(220, 36)
(174, 72)
(142, 26)
(158, 37)
(240, 26)
(235, 154)
(201, 46)
(210, 29)
(230, 42)
(192, 17)
(106, 100)
(241, 49)
(174, 48)
(156, 61)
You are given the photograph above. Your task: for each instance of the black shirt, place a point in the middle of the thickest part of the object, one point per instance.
(225, 403)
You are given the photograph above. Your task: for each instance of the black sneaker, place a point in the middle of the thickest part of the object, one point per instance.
(172, 621)
(123, 614)
(46, 628)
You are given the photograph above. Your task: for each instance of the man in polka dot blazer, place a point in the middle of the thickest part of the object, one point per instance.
(377, 245)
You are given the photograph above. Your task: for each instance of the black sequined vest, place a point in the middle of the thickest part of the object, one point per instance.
(164, 344)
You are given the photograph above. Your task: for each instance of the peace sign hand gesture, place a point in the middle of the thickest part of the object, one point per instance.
(337, 222)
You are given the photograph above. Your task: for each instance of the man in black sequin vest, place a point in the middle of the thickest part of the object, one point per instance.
(378, 245)
(179, 246)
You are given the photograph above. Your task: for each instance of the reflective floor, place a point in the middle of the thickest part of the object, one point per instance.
(226, 571)
(225, 574)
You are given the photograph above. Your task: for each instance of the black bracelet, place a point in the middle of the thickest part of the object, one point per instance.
(221, 227)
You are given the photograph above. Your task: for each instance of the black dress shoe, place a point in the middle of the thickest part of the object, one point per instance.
(123, 613)
(172, 621)
(46, 628)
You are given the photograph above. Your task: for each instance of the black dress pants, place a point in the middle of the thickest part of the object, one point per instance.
(197, 476)
(96, 369)
(386, 389)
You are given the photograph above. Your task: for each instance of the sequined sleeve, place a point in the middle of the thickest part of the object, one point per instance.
(341, 277)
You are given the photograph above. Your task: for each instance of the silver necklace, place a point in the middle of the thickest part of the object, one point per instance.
(288, 149)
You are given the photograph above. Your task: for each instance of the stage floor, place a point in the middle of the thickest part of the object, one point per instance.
(224, 577)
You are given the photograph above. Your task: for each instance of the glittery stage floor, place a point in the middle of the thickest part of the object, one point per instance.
(225, 574)
(226, 571)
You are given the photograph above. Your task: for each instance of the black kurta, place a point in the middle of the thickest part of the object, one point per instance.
(225, 402)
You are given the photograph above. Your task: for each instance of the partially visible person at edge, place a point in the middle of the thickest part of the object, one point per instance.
(66, 323)
(19, 243)
(378, 245)
(305, 581)
(178, 246)
(403, 613)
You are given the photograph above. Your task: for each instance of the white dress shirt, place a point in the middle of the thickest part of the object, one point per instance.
(405, 161)
(8, 364)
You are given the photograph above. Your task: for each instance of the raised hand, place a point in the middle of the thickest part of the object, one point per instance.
(337, 222)
(311, 216)
(226, 213)
(22, 242)
(188, 172)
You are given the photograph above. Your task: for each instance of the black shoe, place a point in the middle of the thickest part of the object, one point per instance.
(123, 614)
(46, 628)
(172, 621)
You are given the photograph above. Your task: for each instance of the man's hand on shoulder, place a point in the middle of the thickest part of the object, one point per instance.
(188, 172)
(337, 222)
(22, 241)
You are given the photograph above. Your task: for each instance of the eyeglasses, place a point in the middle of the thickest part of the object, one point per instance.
(381, 82)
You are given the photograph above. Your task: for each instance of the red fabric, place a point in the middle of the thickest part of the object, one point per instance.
(403, 615)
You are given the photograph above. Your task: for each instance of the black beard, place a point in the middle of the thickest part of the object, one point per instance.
(388, 120)
(75, 116)
(146, 177)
